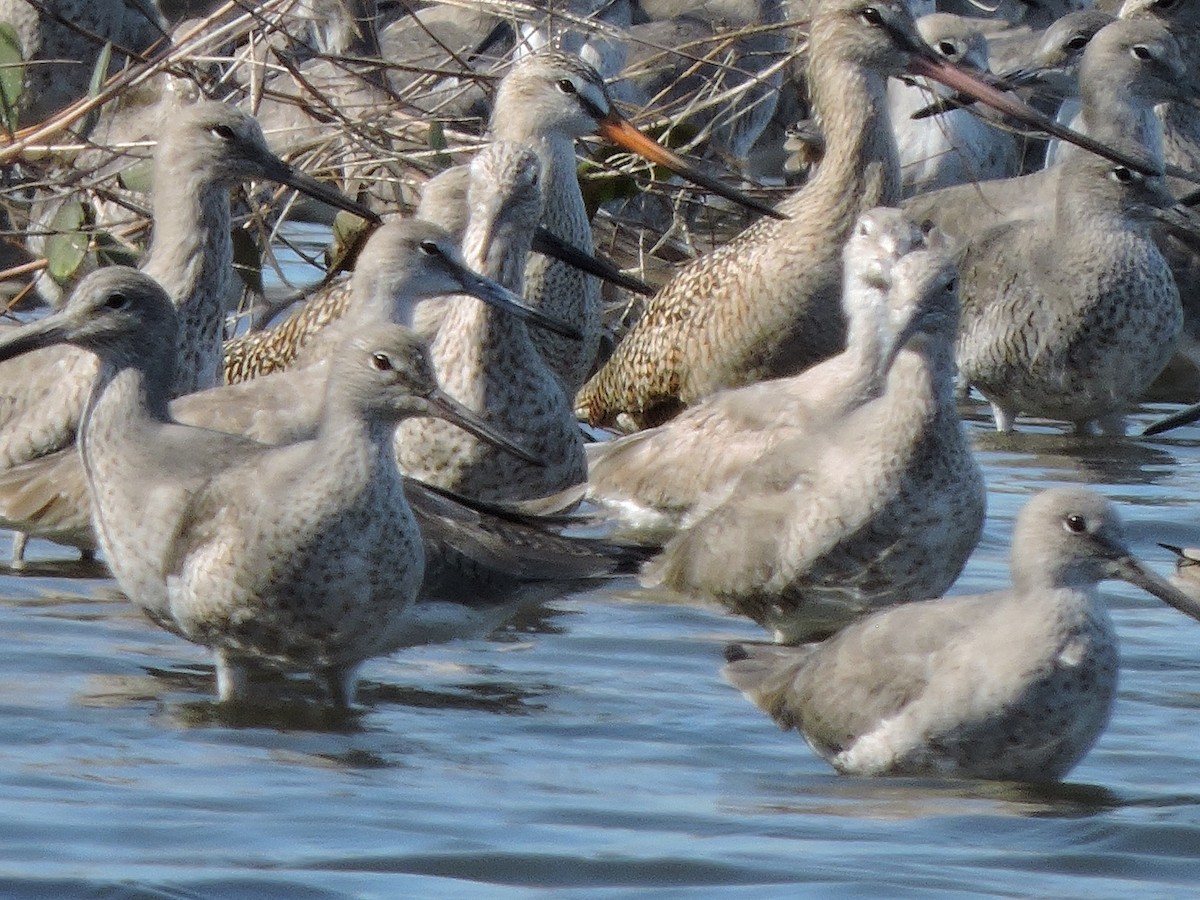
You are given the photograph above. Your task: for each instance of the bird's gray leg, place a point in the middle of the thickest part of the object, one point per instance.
(342, 684)
(1006, 420)
(20, 539)
(233, 680)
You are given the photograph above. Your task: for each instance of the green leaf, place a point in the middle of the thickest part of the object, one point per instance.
(138, 176)
(349, 234)
(437, 141)
(12, 76)
(99, 76)
(67, 246)
(112, 252)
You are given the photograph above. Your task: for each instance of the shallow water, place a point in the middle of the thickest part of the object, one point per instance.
(591, 750)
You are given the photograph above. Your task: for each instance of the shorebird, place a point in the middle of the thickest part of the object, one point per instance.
(1181, 123)
(1013, 685)
(207, 148)
(1054, 64)
(547, 102)
(379, 290)
(765, 304)
(956, 147)
(1071, 316)
(1126, 68)
(881, 508)
(486, 359)
(658, 476)
(328, 555)
(402, 263)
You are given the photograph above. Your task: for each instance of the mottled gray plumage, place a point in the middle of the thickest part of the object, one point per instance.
(486, 359)
(304, 556)
(766, 303)
(1011, 685)
(882, 508)
(1125, 69)
(661, 473)
(401, 264)
(207, 149)
(1071, 316)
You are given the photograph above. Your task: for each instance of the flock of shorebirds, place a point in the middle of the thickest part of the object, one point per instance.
(401, 461)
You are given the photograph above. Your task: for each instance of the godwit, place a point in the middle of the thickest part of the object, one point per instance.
(1013, 685)
(765, 304)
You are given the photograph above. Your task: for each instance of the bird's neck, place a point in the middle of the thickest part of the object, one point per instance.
(124, 398)
(191, 256)
(1122, 120)
(477, 341)
(861, 168)
(565, 213)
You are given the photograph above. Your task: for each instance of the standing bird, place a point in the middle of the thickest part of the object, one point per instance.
(1071, 316)
(547, 102)
(883, 507)
(1013, 685)
(766, 303)
(402, 264)
(1125, 69)
(486, 359)
(658, 476)
(956, 147)
(327, 557)
(207, 149)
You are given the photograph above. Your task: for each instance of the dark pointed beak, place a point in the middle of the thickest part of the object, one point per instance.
(1183, 558)
(277, 170)
(549, 244)
(1184, 417)
(55, 328)
(495, 294)
(1129, 569)
(990, 91)
(616, 128)
(446, 407)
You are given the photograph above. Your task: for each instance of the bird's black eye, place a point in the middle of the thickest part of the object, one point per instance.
(947, 48)
(951, 286)
(382, 362)
(1077, 43)
(567, 86)
(430, 248)
(1140, 51)
(871, 16)
(1124, 175)
(1075, 523)
(116, 300)
(224, 132)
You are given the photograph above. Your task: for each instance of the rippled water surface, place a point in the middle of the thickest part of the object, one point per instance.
(592, 749)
